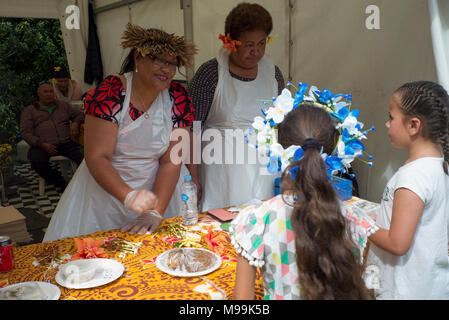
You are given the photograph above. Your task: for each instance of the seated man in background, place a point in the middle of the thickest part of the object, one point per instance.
(45, 125)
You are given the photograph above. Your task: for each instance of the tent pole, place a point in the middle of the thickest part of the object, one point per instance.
(186, 6)
(290, 41)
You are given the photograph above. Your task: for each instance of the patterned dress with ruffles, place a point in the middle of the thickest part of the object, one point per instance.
(263, 235)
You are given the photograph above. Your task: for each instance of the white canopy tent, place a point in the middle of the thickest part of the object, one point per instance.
(326, 43)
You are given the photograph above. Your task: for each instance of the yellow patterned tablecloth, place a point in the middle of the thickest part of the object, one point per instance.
(142, 280)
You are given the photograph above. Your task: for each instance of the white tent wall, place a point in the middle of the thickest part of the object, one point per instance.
(331, 48)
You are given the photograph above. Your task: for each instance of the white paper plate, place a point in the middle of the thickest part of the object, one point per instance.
(107, 270)
(161, 264)
(48, 291)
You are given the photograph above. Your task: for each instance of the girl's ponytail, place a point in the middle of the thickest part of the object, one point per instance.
(327, 267)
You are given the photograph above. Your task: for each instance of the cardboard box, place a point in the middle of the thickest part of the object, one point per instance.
(10, 214)
(13, 224)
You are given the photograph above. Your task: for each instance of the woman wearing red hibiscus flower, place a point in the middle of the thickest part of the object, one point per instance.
(226, 93)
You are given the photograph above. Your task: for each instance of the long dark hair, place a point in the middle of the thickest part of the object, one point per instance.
(429, 102)
(326, 264)
(128, 64)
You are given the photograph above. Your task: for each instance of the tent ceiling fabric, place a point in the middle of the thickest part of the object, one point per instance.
(331, 48)
(29, 9)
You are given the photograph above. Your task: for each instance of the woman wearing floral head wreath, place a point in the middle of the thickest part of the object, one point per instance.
(226, 92)
(128, 177)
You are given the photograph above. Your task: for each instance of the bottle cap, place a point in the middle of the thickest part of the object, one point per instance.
(187, 178)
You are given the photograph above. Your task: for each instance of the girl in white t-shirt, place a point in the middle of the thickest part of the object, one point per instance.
(411, 246)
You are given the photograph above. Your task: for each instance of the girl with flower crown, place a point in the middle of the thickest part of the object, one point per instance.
(410, 247)
(225, 93)
(303, 239)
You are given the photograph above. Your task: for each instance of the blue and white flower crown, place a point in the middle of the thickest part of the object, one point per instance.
(349, 146)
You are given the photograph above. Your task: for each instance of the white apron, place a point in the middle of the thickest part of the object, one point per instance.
(85, 207)
(235, 105)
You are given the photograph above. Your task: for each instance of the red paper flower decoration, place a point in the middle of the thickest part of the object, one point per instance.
(88, 249)
(215, 241)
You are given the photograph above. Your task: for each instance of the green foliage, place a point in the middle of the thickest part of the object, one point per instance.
(29, 51)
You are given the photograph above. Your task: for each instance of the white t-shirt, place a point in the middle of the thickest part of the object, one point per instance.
(423, 272)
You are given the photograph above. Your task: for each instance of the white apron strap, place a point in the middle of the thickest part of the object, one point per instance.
(124, 113)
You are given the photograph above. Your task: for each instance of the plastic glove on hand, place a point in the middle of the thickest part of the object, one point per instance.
(148, 221)
(140, 201)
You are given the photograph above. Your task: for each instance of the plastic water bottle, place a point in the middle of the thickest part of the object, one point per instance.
(189, 207)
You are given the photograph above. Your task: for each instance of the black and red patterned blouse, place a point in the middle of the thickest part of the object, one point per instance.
(106, 101)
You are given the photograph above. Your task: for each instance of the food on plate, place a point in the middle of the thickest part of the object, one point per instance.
(189, 260)
(79, 271)
(29, 291)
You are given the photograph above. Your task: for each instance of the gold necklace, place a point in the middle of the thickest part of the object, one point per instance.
(146, 115)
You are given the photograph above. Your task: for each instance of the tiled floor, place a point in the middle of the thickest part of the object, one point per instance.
(22, 192)
(26, 193)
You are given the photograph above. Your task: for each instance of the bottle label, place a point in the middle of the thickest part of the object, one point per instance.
(184, 197)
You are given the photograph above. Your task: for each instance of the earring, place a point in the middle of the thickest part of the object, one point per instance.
(137, 69)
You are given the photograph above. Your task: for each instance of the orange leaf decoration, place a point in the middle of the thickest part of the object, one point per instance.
(88, 249)
(229, 44)
(215, 241)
